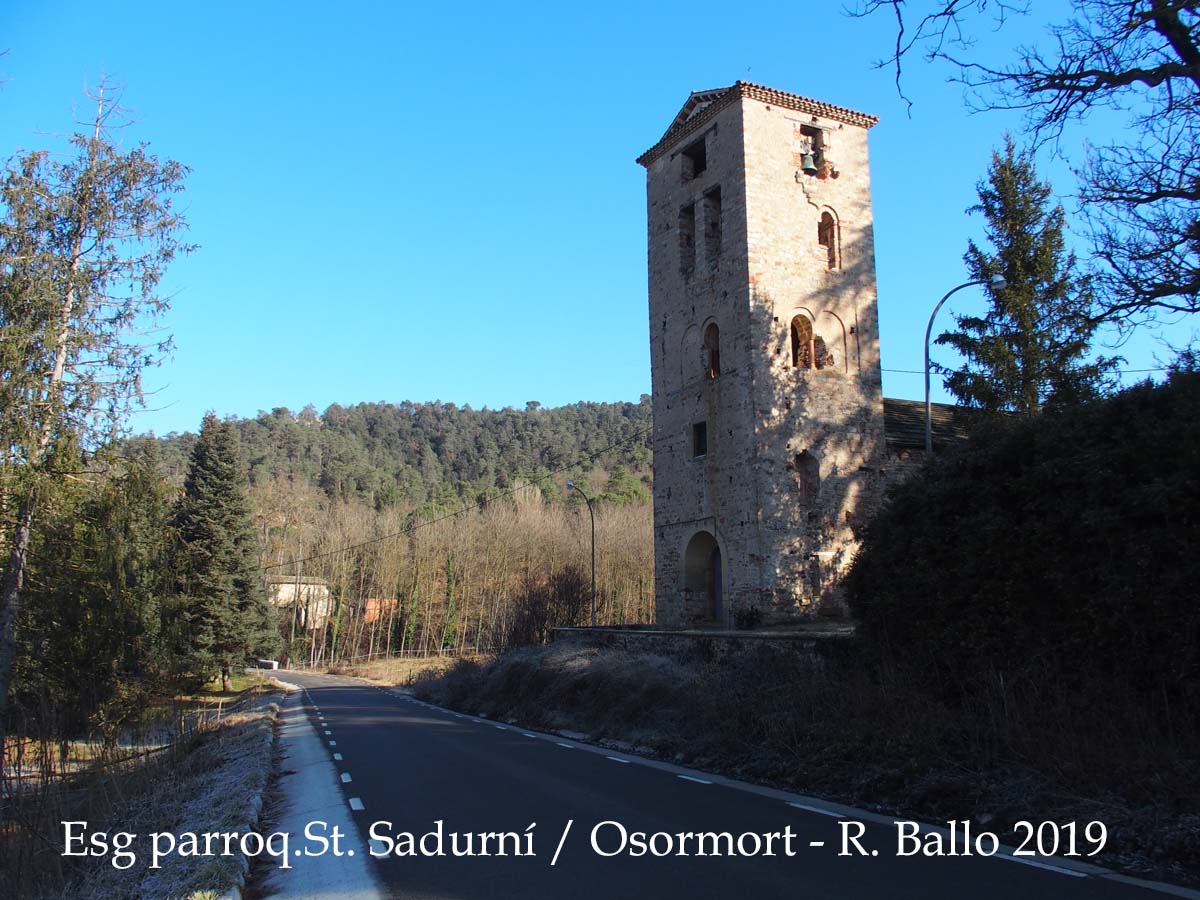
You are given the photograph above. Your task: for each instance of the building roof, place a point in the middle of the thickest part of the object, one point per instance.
(294, 579)
(703, 106)
(904, 424)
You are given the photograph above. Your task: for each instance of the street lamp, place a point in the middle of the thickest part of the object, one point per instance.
(572, 486)
(996, 283)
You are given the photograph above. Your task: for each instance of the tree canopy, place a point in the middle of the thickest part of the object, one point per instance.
(1031, 347)
(385, 453)
(1139, 191)
(84, 243)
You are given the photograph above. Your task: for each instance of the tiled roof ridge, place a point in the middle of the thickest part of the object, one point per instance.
(757, 92)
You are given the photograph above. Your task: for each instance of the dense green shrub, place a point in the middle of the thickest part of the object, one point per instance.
(1062, 546)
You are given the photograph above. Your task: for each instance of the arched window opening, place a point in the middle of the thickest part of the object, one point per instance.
(712, 350)
(808, 477)
(827, 238)
(822, 356)
(802, 343)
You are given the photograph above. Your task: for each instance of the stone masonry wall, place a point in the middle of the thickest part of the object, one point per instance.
(784, 535)
(833, 414)
(711, 493)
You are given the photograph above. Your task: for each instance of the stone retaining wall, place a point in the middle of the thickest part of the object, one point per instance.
(709, 644)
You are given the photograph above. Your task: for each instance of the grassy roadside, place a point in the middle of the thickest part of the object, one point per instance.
(205, 782)
(399, 672)
(868, 740)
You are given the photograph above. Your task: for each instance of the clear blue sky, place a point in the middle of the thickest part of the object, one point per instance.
(439, 201)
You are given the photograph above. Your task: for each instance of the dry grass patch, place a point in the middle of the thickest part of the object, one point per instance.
(400, 672)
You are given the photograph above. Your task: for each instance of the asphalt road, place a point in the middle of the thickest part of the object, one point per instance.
(411, 765)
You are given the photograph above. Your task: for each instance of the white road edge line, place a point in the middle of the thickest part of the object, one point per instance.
(355, 803)
(1040, 865)
(817, 809)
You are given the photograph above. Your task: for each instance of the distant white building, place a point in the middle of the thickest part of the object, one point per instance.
(305, 596)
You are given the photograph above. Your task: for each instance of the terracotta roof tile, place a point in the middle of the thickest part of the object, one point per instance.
(686, 122)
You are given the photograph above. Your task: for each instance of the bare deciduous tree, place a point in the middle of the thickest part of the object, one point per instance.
(1139, 193)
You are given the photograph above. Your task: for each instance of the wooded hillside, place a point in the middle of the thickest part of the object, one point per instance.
(386, 453)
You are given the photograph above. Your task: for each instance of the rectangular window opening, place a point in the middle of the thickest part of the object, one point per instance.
(695, 160)
(687, 239)
(699, 439)
(712, 225)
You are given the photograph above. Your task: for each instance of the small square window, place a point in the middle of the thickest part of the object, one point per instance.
(699, 439)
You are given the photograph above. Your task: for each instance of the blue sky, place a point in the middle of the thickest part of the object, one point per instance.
(439, 201)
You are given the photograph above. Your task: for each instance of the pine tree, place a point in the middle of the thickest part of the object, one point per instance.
(221, 611)
(1031, 349)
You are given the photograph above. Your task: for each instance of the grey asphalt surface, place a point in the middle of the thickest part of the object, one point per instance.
(411, 765)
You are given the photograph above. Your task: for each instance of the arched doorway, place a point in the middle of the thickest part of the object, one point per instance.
(702, 576)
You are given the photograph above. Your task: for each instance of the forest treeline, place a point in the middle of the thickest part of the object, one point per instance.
(431, 528)
(386, 454)
(168, 562)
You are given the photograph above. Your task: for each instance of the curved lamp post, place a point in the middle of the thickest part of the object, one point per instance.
(996, 283)
(572, 486)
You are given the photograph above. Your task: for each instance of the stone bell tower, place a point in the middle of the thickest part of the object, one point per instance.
(768, 405)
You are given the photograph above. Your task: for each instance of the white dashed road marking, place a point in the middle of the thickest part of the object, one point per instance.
(617, 759)
(346, 779)
(355, 803)
(697, 780)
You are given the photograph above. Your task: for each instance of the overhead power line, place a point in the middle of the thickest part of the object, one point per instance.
(935, 372)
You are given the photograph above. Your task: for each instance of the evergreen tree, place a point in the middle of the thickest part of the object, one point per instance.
(624, 487)
(89, 648)
(221, 611)
(1031, 348)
